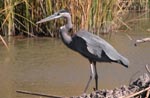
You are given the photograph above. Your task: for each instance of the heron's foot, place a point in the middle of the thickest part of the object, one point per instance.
(94, 88)
(84, 95)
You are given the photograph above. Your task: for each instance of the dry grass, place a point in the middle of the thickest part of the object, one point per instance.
(18, 17)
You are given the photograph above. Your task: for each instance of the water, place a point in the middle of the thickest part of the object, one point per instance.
(45, 65)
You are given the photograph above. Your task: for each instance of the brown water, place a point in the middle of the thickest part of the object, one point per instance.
(45, 65)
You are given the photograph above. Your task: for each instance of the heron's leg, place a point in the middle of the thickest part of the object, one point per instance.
(95, 76)
(91, 76)
(88, 84)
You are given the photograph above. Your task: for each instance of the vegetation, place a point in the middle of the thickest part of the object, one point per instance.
(18, 17)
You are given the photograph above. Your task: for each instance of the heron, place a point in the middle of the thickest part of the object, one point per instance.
(89, 45)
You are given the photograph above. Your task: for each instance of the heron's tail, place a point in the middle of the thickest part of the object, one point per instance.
(124, 61)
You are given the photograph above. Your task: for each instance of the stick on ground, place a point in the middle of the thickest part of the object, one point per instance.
(37, 94)
(142, 41)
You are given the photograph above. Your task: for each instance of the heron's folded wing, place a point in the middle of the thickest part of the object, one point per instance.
(96, 44)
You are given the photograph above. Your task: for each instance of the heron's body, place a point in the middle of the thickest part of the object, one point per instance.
(94, 48)
(80, 45)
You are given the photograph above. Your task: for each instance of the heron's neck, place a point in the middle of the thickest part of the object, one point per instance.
(69, 23)
(64, 35)
(64, 31)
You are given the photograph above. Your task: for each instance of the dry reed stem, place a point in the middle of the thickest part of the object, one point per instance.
(4, 42)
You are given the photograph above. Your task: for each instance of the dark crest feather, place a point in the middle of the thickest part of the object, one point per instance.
(63, 10)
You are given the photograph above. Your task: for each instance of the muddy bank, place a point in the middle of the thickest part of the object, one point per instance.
(138, 88)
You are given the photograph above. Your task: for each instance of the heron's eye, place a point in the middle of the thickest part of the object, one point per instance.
(58, 14)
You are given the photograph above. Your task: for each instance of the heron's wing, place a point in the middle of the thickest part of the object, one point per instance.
(95, 45)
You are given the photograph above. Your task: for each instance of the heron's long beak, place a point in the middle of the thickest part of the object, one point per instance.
(54, 16)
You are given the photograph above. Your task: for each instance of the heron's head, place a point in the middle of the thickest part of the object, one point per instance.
(59, 14)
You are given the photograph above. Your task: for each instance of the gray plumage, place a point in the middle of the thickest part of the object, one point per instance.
(94, 48)
(95, 45)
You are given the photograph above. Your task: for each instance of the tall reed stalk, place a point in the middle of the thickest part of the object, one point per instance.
(9, 20)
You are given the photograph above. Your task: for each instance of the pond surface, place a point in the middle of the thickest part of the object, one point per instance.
(45, 65)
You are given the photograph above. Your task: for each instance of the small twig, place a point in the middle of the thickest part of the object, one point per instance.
(132, 95)
(142, 41)
(148, 70)
(147, 94)
(37, 94)
(130, 38)
(4, 42)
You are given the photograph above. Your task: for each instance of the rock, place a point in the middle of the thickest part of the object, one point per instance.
(141, 81)
(138, 84)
